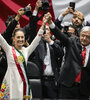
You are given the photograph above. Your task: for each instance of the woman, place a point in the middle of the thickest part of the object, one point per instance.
(16, 84)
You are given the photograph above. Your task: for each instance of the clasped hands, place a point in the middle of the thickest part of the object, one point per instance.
(47, 18)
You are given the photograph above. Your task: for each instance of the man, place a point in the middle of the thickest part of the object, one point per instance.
(46, 57)
(70, 30)
(75, 72)
(47, 54)
(77, 18)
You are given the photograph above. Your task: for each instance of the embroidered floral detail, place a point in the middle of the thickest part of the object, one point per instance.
(20, 59)
(4, 91)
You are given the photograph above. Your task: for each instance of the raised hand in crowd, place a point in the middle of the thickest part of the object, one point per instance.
(77, 19)
(38, 5)
(73, 12)
(21, 12)
(47, 34)
(48, 18)
(44, 21)
(79, 14)
(68, 11)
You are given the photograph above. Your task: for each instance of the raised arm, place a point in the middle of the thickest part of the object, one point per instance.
(37, 39)
(60, 18)
(55, 30)
(11, 25)
(56, 48)
(31, 28)
(4, 44)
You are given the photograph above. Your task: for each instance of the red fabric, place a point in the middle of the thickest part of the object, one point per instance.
(44, 66)
(78, 77)
(10, 7)
(83, 55)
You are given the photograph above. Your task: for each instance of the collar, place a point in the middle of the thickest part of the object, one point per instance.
(87, 47)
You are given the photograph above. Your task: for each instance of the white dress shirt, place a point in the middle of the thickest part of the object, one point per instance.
(47, 61)
(87, 55)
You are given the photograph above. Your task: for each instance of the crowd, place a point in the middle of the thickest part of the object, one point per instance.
(63, 58)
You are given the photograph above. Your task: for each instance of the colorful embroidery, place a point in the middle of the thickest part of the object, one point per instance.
(19, 59)
(4, 91)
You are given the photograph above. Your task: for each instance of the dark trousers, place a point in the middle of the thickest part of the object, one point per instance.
(49, 88)
(71, 92)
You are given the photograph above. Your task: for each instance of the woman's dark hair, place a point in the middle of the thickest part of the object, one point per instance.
(16, 30)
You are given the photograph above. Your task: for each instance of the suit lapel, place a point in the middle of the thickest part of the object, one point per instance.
(88, 64)
(53, 63)
(42, 50)
(79, 49)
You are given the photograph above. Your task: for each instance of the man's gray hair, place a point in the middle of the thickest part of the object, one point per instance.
(85, 28)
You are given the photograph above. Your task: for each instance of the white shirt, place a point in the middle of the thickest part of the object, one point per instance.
(47, 62)
(87, 55)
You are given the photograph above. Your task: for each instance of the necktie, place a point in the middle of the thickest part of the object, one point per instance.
(83, 55)
(44, 66)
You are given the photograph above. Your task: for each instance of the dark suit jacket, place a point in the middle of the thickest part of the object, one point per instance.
(58, 23)
(3, 67)
(73, 62)
(55, 53)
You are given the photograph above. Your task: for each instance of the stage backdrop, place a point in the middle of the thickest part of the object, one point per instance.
(10, 7)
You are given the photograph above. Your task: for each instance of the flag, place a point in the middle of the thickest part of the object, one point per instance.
(10, 7)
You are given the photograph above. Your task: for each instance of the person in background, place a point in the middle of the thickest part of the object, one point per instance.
(70, 30)
(77, 18)
(12, 23)
(50, 67)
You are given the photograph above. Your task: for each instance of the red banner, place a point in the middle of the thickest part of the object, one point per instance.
(10, 7)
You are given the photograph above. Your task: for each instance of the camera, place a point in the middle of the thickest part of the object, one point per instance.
(65, 28)
(72, 4)
(45, 5)
(28, 12)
